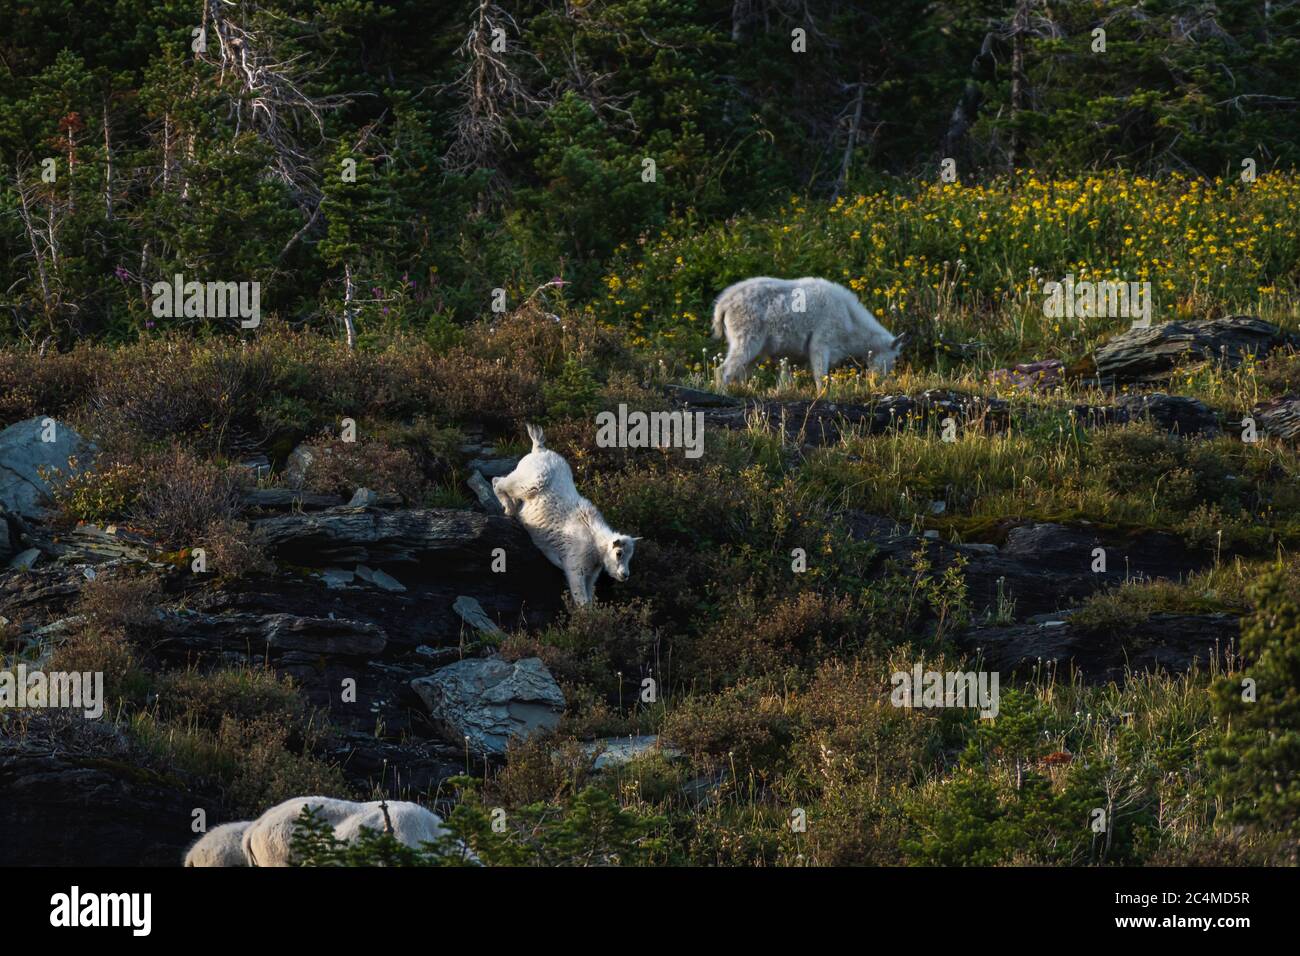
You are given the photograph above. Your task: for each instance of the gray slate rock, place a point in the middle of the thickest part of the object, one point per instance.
(489, 701)
(1279, 417)
(483, 492)
(1152, 354)
(23, 455)
(472, 613)
(24, 560)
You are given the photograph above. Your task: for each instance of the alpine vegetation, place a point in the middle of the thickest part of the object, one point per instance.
(926, 689)
(1103, 299)
(208, 300)
(637, 429)
(75, 690)
(810, 320)
(565, 526)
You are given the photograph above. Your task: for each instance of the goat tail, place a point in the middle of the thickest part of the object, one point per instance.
(535, 433)
(719, 313)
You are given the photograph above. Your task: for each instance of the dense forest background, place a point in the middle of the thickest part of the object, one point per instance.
(502, 146)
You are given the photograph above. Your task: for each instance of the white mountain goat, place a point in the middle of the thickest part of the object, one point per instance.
(268, 839)
(807, 319)
(220, 846)
(565, 526)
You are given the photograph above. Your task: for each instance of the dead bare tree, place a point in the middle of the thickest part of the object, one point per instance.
(42, 214)
(266, 93)
(489, 92)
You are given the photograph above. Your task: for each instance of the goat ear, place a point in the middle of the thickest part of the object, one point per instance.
(638, 538)
(899, 341)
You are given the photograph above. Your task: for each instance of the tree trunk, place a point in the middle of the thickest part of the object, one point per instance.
(348, 325)
(843, 178)
(1019, 28)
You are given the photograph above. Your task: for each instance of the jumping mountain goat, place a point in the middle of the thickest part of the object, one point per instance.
(809, 320)
(268, 839)
(220, 846)
(565, 526)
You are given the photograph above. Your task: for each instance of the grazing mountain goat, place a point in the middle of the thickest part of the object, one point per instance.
(565, 526)
(808, 319)
(220, 846)
(268, 839)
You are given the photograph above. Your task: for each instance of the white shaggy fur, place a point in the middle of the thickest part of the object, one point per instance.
(220, 846)
(268, 839)
(763, 317)
(565, 526)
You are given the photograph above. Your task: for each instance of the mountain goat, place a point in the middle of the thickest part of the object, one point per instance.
(268, 839)
(565, 526)
(807, 319)
(220, 846)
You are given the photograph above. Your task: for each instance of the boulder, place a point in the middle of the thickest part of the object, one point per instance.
(1145, 355)
(488, 701)
(24, 454)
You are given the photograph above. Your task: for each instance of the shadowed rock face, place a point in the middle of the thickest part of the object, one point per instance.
(1172, 642)
(1149, 355)
(320, 622)
(1041, 566)
(64, 809)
